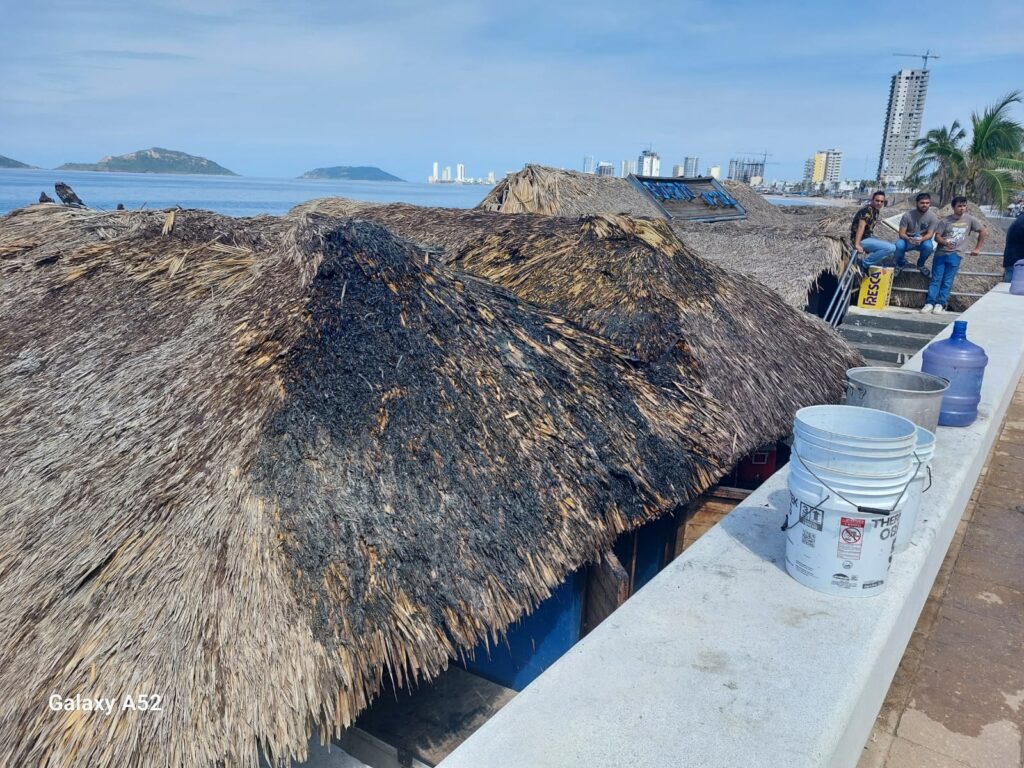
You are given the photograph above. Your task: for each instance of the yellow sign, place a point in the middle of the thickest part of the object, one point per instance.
(876, 288)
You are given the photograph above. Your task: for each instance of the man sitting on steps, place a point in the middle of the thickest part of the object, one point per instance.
(916, 230)
(871, 250)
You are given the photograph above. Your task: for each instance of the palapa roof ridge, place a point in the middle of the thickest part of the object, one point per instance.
(254, 466)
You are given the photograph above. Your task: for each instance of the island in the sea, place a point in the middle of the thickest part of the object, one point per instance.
(154, 160)
(350, 173)
(6, 162)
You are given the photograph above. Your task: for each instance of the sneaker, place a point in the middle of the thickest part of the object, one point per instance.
(938, 310)
(927, 308)
(925, 272)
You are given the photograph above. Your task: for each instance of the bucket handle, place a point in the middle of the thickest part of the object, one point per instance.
(860, 509)
(929, 468)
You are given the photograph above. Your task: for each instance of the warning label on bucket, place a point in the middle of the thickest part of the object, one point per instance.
(810, 516)
(851, 538)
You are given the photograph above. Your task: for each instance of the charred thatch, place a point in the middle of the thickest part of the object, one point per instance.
(785, 253)
(253, 466)
(633, 282)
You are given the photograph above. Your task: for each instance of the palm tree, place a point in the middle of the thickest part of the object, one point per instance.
(940, 156)
(995, 142)
(986, 168)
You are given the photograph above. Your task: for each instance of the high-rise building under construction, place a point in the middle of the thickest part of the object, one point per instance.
(902, 124)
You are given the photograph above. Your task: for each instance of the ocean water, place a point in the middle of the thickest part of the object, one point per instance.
(229, 195)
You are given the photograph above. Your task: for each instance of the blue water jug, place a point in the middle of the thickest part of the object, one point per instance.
(963, 363)
(1017, 281)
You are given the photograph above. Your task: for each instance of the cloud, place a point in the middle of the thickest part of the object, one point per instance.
(136, 55)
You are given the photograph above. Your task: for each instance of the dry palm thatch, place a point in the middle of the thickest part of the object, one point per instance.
(252, 466)
(788, 255)
(633, 282)
(785, 253)
(539, 189)
(837, 223)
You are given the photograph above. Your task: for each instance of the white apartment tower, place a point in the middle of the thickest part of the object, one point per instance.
(907, 93)
(833, 165)
(648, 164)
(434, 176)
(691, 166)
(460, 172)
(626, 167)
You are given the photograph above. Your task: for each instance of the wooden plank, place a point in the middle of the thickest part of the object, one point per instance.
(728, 492)
(429, 722)
(607, 589)
(705, 512)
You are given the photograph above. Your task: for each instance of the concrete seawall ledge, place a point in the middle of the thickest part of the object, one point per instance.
(724, 660)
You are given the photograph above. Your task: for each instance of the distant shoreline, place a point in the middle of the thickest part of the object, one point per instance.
(822, 202)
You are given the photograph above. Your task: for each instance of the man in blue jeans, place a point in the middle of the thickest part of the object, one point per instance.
(916, 230)
(871, 250)
(951, 235)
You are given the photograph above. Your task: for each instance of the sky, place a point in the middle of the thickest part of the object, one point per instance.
(273, 89)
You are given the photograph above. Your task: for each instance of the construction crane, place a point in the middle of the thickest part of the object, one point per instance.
(764, 155)
(926, 55)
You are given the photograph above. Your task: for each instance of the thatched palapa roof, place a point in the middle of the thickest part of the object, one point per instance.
(786, 253)
(633, 282)
(254, 465)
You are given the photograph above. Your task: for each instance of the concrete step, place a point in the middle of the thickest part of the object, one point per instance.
(909, 320)
(878, 354)
(898, 339)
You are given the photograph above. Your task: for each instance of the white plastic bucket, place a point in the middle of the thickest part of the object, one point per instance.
(890, 460)
(854, 440)
(849, 426)
(923, 453)
(841, 528)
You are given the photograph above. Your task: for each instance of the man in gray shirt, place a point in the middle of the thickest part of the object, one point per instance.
(952, 236)
(916, 230)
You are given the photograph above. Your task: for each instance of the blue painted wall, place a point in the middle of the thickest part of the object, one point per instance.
(535, 642)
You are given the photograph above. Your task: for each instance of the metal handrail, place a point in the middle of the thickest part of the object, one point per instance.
(841, 297)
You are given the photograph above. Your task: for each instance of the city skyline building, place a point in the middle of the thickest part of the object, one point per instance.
(691, 166)
(678, 170)
(824, 167)
(446, 174)
(588, 163)
(903, 116)
(627, 167)
(715, 171)
(649, 163)
(460, 172)
(433, 176)
(605, 169)
(745, 170)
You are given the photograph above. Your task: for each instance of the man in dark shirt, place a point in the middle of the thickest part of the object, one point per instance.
(871, 250)
(1014, 250)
